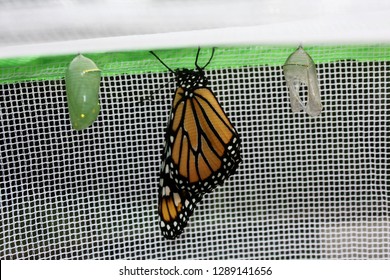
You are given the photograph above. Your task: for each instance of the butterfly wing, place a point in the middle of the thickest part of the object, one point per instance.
(205, 147)
(175, 206)
(202, 149)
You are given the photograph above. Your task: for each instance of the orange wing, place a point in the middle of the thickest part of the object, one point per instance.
(204, 144)
(175, 206)
(202, 150)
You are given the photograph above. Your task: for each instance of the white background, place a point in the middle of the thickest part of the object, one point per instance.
(42, 27)
(302, 270)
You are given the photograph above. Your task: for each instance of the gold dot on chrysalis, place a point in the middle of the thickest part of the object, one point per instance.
(82, 116)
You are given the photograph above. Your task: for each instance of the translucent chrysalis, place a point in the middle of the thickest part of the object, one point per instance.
(82, 89)
(300, 68)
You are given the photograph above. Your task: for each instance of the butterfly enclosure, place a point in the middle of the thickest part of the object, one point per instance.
(307, 187)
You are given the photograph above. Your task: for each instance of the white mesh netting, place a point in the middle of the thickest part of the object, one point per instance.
(307, 187)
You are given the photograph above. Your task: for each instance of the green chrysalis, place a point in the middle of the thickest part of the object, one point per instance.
(82, 89)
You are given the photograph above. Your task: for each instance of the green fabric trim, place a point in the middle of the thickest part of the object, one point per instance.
(20, 69)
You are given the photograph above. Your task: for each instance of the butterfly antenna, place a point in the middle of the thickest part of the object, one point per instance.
(162, 62)
(150, 97)
(208, 62)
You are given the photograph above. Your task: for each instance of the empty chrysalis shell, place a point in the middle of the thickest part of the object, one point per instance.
(82, 89)
(300, 68)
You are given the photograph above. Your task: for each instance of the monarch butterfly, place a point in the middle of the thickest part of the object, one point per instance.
(82, 89)
(202, 149)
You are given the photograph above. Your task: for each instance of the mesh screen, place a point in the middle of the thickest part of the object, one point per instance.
(307, 187)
